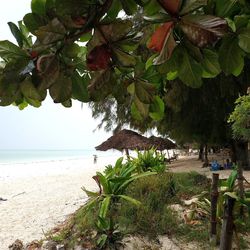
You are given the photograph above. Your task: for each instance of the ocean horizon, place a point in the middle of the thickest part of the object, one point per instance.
(14, 156)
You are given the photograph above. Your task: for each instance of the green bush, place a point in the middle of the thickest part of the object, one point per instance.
(149, 160)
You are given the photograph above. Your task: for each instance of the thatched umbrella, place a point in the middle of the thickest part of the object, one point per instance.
(125, 140)
(161, 143)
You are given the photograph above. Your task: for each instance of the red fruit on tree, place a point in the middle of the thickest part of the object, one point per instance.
(99, 58)
(158, 38)
(34, 54)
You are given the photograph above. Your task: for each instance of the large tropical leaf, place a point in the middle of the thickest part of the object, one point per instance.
(210, 64)
(101, 85)
(156, 109)
(61, 89)
(122, 58)
(244, 39)
(50, 33)
(38, 6)
(79, 87)
(144, 91)
(130, 199)
(29, 90)
(203, 30)
(104, 206)
(116, 30)
(190, 71)
(9, 51)
(231, 56)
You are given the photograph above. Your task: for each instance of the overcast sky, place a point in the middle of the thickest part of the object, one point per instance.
(51, 126)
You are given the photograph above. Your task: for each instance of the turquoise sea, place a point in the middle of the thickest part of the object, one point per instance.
(26, 156)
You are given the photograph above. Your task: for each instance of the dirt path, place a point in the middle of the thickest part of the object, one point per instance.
(191, 163)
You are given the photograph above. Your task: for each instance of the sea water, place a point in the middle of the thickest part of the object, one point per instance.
(29, 156)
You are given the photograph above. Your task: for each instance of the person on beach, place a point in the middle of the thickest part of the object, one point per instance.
(95, 159)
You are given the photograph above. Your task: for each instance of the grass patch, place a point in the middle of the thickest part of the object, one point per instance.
(155, 217)
(152, 218)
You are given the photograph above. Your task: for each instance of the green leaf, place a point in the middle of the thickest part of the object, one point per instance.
(101, 241)
(9, 51)
(116, 30)
(67, 104)
(16, 33)
(231, 179)
(210, 63)
(231, 56)
(71, 50)
(104, 183)
(151, 8)
(49, 70)
(61, 89)
(8, 92)
(101, 85)
(129, 199)
(172, 75)
(144, 91)
(33, 21)
(104, 207)
(225, 7)
(29, 90)
(191, 5)
(244, 39)
(50, 33)
(190, 71)
(232, 195)
(141, 107)
(114, 10)
(85, 37)
(135, 112)
(129, 6)
(38, 6)
(34, 103)
(90, 193)
(79, 87)
(157, 109)
(123, 59)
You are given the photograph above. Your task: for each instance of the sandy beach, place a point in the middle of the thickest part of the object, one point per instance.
(40, 195)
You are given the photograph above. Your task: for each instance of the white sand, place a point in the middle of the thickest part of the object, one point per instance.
(41, 195)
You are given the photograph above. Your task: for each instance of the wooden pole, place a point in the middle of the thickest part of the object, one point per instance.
(214, 199)
(240, 180)
(227, 225)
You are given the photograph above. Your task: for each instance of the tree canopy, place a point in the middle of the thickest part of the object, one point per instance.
(129, 50)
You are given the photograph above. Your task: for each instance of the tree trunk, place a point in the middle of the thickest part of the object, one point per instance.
(214, 199)
(205, 157)
(240, 153)
(201, 152)
(227, 226)
(240, 179)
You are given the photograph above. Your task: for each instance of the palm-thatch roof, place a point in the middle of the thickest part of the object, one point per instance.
(124, 140)
(161, 143)
(130, 140)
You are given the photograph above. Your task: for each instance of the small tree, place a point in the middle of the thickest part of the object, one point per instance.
(240, 118)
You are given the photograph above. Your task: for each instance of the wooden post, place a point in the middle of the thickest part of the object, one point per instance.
(214, 199)
(227, 225)
(240, 180)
